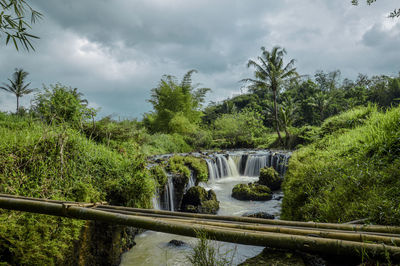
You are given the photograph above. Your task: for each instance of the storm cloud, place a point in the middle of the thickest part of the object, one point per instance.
(115, 52)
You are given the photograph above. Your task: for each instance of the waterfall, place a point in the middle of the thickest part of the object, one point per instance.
(221, 166)
(191, 182)
(168, 195)
(231, 164)
(156, 201)
(254, 162)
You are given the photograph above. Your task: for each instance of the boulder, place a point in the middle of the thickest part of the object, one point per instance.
(263, 215)
(270, 178)
(251, 191)
(198, 200)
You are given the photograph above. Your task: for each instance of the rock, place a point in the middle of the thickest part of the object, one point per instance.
(270, 178)
(177, 243)
(198, 200)
(263, 215)
(277, 197)
(251, 191)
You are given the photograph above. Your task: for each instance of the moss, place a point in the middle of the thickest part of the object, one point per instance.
(251, 192)
(198, 200)
(352, 174)
(159, 174)
(269, 177)
(182, 166)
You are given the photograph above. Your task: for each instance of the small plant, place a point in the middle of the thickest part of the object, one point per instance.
(207, 253)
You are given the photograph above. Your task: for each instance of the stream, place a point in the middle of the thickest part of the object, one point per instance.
(153, 248)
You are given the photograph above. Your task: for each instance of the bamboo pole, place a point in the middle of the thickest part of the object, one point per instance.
(304, 243)
(346, 227)
(344, 235)
(372, 229)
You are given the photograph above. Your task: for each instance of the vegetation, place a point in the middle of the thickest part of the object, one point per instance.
(17, 85)
(13, 23)
(349, 174)
(251, 191)
(269, 177)
(345, 167)
(46, 161)
(198, 200)
(270, 74)
(393, 14)
(207, 253)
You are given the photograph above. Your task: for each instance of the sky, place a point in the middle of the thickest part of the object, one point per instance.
(116, 51)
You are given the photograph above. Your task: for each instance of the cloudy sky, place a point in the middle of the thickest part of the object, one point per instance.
(116, 51)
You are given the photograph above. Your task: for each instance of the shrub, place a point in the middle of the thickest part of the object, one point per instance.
(60, 104)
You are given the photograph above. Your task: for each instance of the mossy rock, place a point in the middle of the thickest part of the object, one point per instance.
(251, 191)
(198, 200)
(269, 177)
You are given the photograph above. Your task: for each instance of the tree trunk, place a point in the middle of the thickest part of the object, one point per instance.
(17, 104)
(276, 118)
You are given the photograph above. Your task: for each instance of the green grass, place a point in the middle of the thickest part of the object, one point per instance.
(350, 173)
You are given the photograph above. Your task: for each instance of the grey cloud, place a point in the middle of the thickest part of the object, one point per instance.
(116, 51)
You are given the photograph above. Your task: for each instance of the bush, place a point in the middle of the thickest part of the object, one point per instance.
(60, 104)
(165, 143)
(238, 130)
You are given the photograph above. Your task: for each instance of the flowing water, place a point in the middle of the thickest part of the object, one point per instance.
(225, 171)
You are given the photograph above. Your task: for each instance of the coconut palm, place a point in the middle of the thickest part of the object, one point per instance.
(270, 73)
(17, 85)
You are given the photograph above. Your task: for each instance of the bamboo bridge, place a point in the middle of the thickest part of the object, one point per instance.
(374, 241)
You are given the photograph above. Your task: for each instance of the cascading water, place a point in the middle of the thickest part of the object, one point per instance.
(225, 170)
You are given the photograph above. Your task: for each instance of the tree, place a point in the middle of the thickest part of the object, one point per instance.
(17, 85)
(395, 13)
(171, 99)
(60, 104)
(270, 74)
(13, 23)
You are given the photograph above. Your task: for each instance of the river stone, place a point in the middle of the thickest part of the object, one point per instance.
(177, 243)
(270, 178)
(198, 200)
(263, 215)
(251, 191)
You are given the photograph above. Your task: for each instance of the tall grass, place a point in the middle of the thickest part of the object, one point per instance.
(59, 163)
(352, 174)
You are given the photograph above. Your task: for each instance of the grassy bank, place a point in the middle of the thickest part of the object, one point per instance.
(350, 171)
(58, 162)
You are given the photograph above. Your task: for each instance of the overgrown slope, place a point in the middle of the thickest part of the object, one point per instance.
(59, 163)
(352, 172)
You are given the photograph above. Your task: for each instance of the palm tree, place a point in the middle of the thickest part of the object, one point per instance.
(270, 74)
(17, 85)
